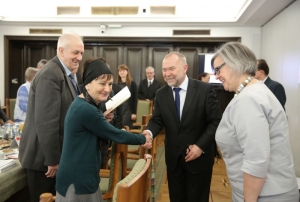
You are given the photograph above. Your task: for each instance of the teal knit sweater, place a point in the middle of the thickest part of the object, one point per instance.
(80, 160)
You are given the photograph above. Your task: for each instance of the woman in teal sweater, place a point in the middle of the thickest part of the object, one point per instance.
(78, 174)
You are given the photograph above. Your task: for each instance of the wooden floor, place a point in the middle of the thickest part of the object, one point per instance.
(220, 190)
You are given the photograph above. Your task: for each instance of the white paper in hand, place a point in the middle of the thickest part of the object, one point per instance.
(118, 99)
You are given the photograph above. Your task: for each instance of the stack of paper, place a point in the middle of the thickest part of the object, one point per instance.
(7, 164)
(118, 99)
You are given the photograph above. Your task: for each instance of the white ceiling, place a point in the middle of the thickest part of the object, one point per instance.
(197, 13)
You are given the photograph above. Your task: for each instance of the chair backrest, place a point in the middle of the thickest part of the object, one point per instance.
(117, 170)
(136, 186)
(10, 107)
(144, 107)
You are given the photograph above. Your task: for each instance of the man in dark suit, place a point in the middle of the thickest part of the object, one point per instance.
(276, 87)
(52, 92)
(190, 127)
(4, 118)
(148, 86)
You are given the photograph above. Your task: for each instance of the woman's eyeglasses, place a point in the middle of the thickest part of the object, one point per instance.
(217, 69)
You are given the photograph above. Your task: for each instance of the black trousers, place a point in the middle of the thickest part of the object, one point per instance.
(38, 183)
(187, 187)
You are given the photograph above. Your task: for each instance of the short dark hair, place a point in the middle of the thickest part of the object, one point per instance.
(263, 65)
(202, 75)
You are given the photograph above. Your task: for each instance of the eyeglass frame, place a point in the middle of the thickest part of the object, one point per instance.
(217, 69)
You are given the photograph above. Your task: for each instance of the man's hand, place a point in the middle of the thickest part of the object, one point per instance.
(52, 171)
(193, 152)
(109, 115)
(148, 143)
(133, 117)
(10, 121)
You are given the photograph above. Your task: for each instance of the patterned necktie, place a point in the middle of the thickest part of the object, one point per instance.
(177, 101)
(74, 83)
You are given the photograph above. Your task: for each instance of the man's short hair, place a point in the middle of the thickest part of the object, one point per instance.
(262, 65)
(30, 73)
(41, 63)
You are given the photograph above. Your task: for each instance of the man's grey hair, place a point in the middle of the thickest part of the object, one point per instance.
(152, 68)
(65, 40)
(238, 57)
(180, 56)
(30, 73)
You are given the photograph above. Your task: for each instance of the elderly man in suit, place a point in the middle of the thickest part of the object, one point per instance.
(148, 86)
(276, 87)
(52, 91)
(190, 112)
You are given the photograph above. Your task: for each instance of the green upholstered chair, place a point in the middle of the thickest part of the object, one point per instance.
(116, 172)
(136, 186)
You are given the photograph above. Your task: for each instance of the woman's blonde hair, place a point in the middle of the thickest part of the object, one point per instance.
(128, 77)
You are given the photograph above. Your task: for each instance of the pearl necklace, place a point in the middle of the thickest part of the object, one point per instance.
(243, 85)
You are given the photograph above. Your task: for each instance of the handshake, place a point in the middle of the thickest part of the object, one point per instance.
(148, 143)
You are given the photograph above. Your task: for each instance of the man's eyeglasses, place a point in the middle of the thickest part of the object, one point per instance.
(217, 69)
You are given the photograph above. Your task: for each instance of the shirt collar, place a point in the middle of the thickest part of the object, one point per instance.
(150, 80)
(265, 79)
(184, 84)
(66, 68)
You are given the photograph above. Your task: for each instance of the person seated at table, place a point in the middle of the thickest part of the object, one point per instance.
(78, 174)
(4, 118)
(22, 95)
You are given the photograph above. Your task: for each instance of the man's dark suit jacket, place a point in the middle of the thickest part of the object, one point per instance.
(145, 92)
(277, 89)
(3, 116)
(200, 118)
(51, 94)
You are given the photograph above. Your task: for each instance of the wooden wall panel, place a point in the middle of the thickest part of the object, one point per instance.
(156, 56)
(113, 56)
(135, 57)
(191, 55)
(89, 51)
(136, 52)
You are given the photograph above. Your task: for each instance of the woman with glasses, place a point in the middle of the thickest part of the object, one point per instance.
(253, 134)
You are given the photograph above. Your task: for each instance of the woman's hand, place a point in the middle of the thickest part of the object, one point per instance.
(109, 115)
(133, 117)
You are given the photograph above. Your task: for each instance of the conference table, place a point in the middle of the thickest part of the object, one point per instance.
(12, 181)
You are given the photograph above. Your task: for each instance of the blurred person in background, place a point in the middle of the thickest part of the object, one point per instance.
(22, 95)
(129, 106)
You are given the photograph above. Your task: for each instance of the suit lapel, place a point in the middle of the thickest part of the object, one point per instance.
(56, 60)
(191, 92)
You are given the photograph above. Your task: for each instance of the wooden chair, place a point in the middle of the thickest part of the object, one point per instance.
(144, 107)
(137, 185)
(117, 171)
(133, 157)
(10, 107)
(47, 197)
